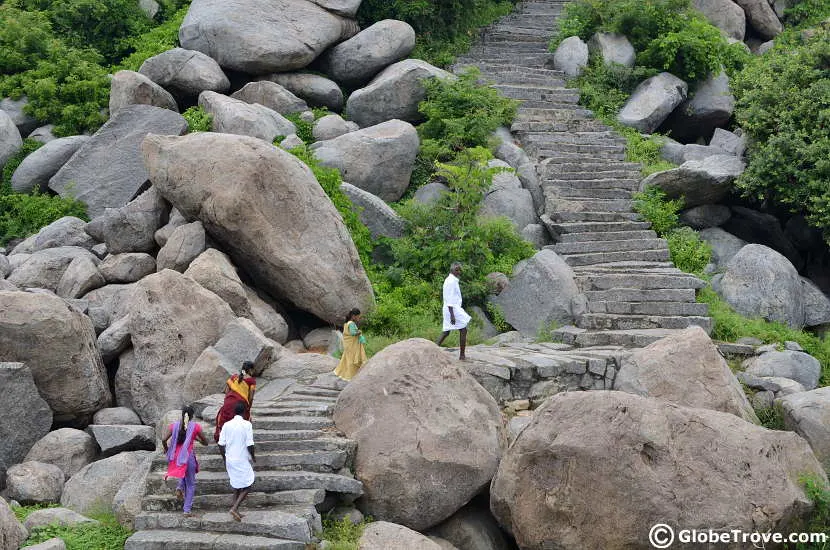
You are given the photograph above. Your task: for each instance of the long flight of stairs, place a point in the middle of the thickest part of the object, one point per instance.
(303, 464)
(634, 293)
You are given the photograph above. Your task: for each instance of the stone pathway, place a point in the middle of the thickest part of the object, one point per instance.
(303, 464)
(634, 293)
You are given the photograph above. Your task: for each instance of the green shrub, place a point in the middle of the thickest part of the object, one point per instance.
(153, 42)
(819, 493)
(789, 147)
(687, 251)
(106, 534)
(604, 88)
(771, 418)
(198, 120)
(343, 534)
(807, 13)
(305, 129)
(25, 39)
(22, 215)
(656, 209)
(29, 147)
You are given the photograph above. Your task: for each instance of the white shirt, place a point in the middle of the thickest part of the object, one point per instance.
(452, 291)
(452, 299)
(236, 436)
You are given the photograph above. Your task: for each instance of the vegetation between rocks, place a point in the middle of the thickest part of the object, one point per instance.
(105, 535)
(342, 534)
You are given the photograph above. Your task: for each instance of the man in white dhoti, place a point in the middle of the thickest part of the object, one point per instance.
(236, 444)
(455, 318)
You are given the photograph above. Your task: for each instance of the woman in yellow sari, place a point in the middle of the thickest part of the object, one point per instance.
(238, 388)
(354, 354)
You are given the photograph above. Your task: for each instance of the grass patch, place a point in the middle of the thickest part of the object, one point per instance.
(819, 493)
(771, 418)
(343, 534)
(105, 535)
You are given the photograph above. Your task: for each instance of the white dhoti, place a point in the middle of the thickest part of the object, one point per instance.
(240, 473)
(452, 298)
(462, 318)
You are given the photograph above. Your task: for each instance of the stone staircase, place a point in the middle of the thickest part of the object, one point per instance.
(634, 293)
(303, 466)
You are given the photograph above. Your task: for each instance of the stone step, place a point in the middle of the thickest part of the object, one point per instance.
(610, 321)
(660, 255)
(571, 193)
(548, 113)
(593, 149)
(563, 103)
(599, 183)
(264, 523)
(291, 422)
(321, 443)
(606, 236)
(649, 308)
(518, 59)
(169, 539)
(308, 410)
(581, 216)
(514, 79)
(640, 281)
(267, 481)
(263, 435)
(168, 502)
(312, 461)
(537, 92)
(311, 391)
(508, 68)
(592, 227)
(636, 338)
(601, 136)
(633, 295)
(579, 125)
(558, 155)
(601, 170)
(609, 246)
(628, 266)
(559, 205)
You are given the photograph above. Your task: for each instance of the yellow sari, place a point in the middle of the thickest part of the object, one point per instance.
(354, 354)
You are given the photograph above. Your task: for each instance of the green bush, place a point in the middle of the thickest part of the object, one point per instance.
(783, 103)
(806, 13)
(198, 120)
(105, 534)
(153, 42)
(343, 534)
(656, 209)
(305, 129)
(687, 251)
(25, 39)
(819, 493)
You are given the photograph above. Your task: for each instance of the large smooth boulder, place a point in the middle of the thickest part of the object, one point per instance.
(705, 216)
(126, 504)
(316, 90)
(506, 197)
(724, 245)
(272, 95)
(10, 140)
(65, 231)
(393, 94)
(816, 304)
(45, 268)
(37, 169)
(685, 368)
(66, 366)
(67, 448)
(376, 215)
(704, 181)
(258, 37)
(612, 48)
(213, 270)
(356, 60)
(185, 73)
(346, 8)
(132, 227)
(808, 415)
(571, 56)
(115, 339)
(761, 17)
(95, 486)
(265, 313)
(34, 483)
(382, 535)
(22, 422)
(128, 267)
(292, 242)
(510, 152)
(132, 88)
(80, 277)
(648, 459)
(184, 245)
(234, 116)
(725, 15)
(330, 127)
(108, 304)
(108, 171)
(760, 282)
(114, 439)
(540, 294)
(711, 106)
(63, 517)
(116, 416)
(426, 448)
(12, 533)
(795, 365)
(172, 319)
(473, 528)
(652, 102)
(378, 159)
(16, 109)
(303, 367)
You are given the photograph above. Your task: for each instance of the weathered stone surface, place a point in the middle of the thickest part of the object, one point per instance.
(114, 439)
(330, 127)
(510, 152)
(597, 438)
(537, 235)
(506, 197)
(393, 94)
(34, 483)
(571, 56)
(685, 368)
(808, 415)
(300, 366)
(430, 192)
(613, 48)
(108, 304)
(382, 535)
(15, 109)
(96, 485)
(37, 168)
(80, 277)
(131, 228)
(316, 90)
(117, 416)
(378, 159)
(271, 95)
(43, 134)
(12, 533)
(114, 339)
(66, 231)
(734, 143)
(44, 268)
(293, 241)
(126, 504)
(760, 282)
(55, 516)
(258, 38)
(375, 214)
(795, 365)
(761, 17)
(356, 60)
(711, 106)
(704, 181)
(234, 116)
(725, 15)
(172, 319)
(185, 73)
(816, 304)
(427, 443)
(176, 219)
(108, 171)
(213, 270)
(128, 267)
(123, 379)
(539, 294)
(185, 244)
(51, 544)
(705, 216)
(265, 315)
(724, 245)
(66, 366)
(10, 140)
(346, 8)
(472, 528)
(132, 88)
(67, 448)
(652, 102)
(22, 422)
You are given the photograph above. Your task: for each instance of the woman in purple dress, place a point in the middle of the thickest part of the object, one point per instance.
(181, 460)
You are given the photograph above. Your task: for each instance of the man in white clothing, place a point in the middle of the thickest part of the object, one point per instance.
(455, 318)
(236, 444)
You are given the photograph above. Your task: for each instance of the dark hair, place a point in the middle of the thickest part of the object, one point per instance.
(247, 366)
(352, 313)
(239, 408)
(186, 410)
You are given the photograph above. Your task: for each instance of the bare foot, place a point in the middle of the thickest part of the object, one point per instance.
(189, 515)
(462, 358)
(179, 495)
(236, 515)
